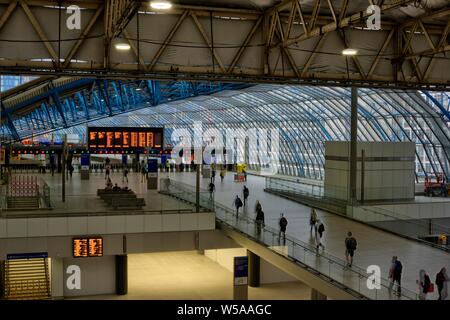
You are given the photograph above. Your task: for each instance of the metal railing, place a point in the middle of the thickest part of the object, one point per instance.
(185, 192)
(305, 254)
(375, 216)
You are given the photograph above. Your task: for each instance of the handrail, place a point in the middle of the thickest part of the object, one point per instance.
(40, 214)
(325, 256)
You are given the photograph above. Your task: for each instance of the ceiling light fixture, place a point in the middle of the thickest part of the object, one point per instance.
(161, 5)
(349, 52)
(122, 46)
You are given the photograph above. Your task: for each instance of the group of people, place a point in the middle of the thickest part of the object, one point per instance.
(424, 281)
(115, 187)
(319, 228)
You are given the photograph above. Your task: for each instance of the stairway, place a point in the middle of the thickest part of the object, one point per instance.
(26, 279)
(22, 202)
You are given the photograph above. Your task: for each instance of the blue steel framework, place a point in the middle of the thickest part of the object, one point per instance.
(72, 102)
(307, 116)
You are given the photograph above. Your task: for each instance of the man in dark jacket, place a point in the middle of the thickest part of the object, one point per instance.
(245, 193)
(397, 275)
(283, 224)
(259, 221)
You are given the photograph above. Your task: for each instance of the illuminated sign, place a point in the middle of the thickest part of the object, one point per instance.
(118, 138)
(87, 247)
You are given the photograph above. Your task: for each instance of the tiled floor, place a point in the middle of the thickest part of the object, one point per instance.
(192, 276)
(375, 247)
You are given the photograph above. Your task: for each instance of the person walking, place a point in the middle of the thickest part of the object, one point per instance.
(283, 224)
(258, 206)
(320, 227)
(245, 193)
(313, 219)
(211, 189)
(71, 169)
(237, 204)
(143, 172)
(397, 275)
(125, 174)
(425, 285)
(107, 171)
(350, 247)
(259, 221)
(213, 175)
(222, 175)
(442, 284)
(391, 273)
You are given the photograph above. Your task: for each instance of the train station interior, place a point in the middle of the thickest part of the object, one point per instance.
(224, 150)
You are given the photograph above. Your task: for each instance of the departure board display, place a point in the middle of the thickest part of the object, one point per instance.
(125, 138)
(87, 247)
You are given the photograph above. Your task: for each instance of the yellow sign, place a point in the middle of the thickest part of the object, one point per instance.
(241, 168)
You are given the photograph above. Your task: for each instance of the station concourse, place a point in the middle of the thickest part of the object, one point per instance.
(130, 128)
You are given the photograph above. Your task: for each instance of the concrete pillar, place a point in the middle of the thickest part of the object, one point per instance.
(353, 144)
(122, 274)
(254, 277)
(316, 295)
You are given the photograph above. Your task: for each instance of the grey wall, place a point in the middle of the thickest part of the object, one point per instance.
(61, 247)
(57, 277)
(98, 276)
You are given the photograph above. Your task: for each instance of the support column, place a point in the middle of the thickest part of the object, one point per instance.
(122, 274)
(353, 144)
(254, 276)
(316, 295)
(63, 172)
(197, 188)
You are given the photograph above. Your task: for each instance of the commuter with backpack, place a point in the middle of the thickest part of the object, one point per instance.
(350, 247)
(320, 228)
(237, 204)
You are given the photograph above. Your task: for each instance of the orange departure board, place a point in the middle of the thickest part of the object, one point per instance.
(134, 139)
(95, 247)
(118, 139)
(150, 139)
(142, 140)
(80, 247)
(110, 139)
(101, 142)
(87, 247)
(93, 139)
(126, 140)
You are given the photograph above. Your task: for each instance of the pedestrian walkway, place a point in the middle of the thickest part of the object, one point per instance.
(375, 247)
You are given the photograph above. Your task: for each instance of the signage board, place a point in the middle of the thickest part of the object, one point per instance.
(240, 270)
(87, 247)
(30, 255)
(124, 138)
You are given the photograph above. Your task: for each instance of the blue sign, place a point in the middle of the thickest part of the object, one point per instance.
(31, 255)
(240, 270)
(152, 165)
(85, 159)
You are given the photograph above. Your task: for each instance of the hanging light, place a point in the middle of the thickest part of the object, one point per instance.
(122, 46)
(161, 5)
(349, 52)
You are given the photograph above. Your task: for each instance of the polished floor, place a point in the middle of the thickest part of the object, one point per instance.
(189, 275)
(375, 247)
